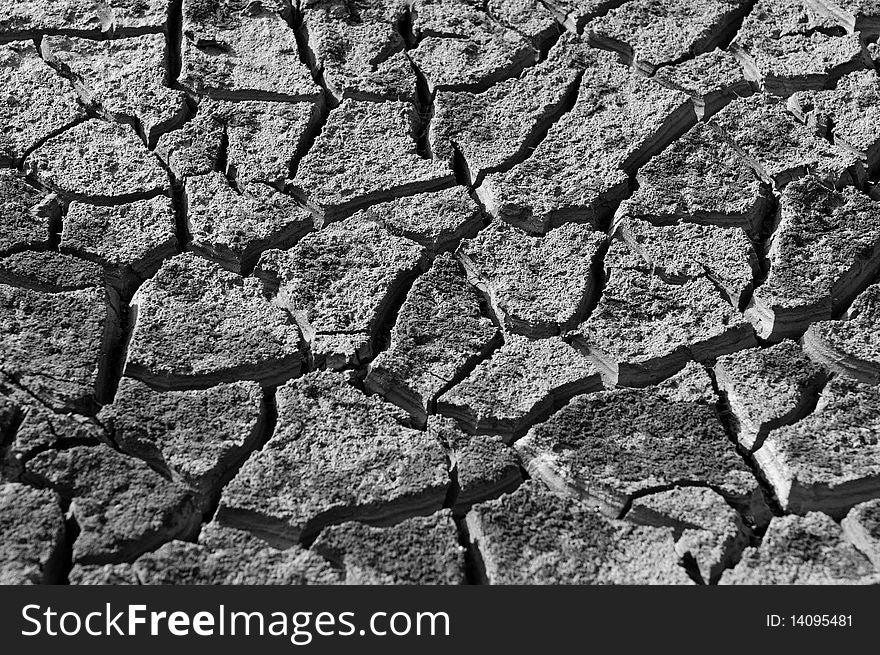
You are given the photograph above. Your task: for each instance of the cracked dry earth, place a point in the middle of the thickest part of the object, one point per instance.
(439, 291)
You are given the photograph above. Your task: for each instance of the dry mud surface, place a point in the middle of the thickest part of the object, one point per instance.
(439, 291)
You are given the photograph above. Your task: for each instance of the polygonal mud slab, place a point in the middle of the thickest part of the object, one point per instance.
(36, 102)
(498, 128)
(98, 161)
(848, 115)
(420, 550)
(712, 79)
(249, 141)
(523, 382)
(197, 325)
(43, 429)
(49, 271)
(583, 165)
(29, 215)
(437, 220)
(234, 226)
(533, 536)
(862, 527)
(853, 15)
(537, 286)
(605, 447)
(122, 507)
(123, 78)
(439, 336)
(850, 347)
(340, 284)
(766, 388)
(830, 460)
(221, 556)
(786, 46)
(782, 149)
(129, 241)
(531, 18)
(802, 550)
(700, 178)
(199, 436)
(358, 48)
(575, 14)
(483, 466)
(336, 455)
(681, 251)
(648, 34)
(825, 250)
(241, 50)
(366, 153)
(709, 534)
(32, 533)
(460, 46)
(25, 19)
(645, 328)
(53, 345)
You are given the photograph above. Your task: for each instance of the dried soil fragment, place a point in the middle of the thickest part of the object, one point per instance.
(535, 537)
(125, 78)
(460, 46)
(437, 220)
(483, 466)
(499, 127)
(605, 447)
(802, 550)
(98, 161)
(49, 271)
(848, 115)
(243, 50)
(826, 249)
(650, 34)
(25, 19)
(645, 328)
(51, 344)
(29, 215)
(853, 15)
(439, 334)
(700, 179)
(537, 286)
(236, 226)
(366, 154)
(36, 103)
(583, 165)
(129, 240)
(782, 149)
(683, 251)
(787, 47)
(32, 534)
(862, 527)
(358, 49)
(221, 556)
(122, 507)
(767, 388)
(421, 550)
(851, 347)
(830, 460)
(523, 382)
(709, 533)
(198, 325)
(336, 455)
(197, 435)
(712, 79)
(340, 283)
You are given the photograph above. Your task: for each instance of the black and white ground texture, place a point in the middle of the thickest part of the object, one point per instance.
(439, 291)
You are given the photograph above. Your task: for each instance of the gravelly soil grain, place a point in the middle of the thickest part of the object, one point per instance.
(439, 291)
